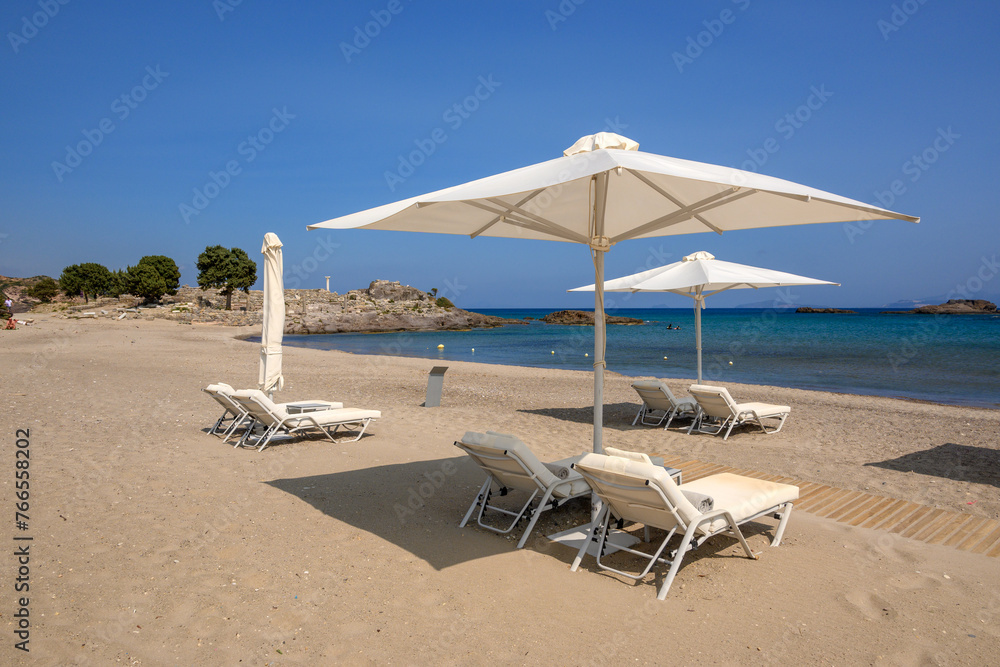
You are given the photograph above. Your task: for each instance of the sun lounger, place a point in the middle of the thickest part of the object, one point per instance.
(232, 411)
(657, 397)
(237, 415)
(716, 403)
(637, 492)
(510, 465)
(278, 418)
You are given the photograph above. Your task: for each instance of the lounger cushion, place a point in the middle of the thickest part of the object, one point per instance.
(634, 456)
(336, 415)
(741, 496)
(763, 409)
(573, 484)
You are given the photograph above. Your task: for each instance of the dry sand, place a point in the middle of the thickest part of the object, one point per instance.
(155, 543)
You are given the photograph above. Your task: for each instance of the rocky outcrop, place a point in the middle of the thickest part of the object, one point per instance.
(382, 307)
(584, 318)
(952, 307)
(807, 309)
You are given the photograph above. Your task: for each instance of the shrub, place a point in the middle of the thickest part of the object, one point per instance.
(443, 302)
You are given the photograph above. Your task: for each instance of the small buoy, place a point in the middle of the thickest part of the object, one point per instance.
(730, 363)
(473, 349)
(664, 358)
(553, 351)
(441, 347)
(585, 354)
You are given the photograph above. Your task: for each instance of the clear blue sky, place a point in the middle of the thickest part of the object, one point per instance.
(183, 86)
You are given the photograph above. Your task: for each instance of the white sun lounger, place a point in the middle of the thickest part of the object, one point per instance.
(232, 411)
(276, 418)
(511, 465)
(657, 397)
(716, 402)
(223, 394)
(637, 492)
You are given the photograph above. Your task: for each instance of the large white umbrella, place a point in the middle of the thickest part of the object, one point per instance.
(269, 379)
(700, 275)
(603, 191)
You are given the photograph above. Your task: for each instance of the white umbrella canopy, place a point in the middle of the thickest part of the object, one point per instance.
(604, 191)
(700, 275)
(269, 378)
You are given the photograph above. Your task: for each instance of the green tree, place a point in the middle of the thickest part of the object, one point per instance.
(89, 279)
(119, 283)
(152, 277)
(146, 282)
(227, 270)
(44, 290)
(167, 268)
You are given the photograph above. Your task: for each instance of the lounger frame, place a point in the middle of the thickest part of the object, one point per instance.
(508, 463)
(678, 408)
(599, 529)
(731, 417)
(292, 424)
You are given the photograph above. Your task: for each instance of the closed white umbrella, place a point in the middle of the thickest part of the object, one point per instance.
(269, 378)
(603, 191)
(701, 275)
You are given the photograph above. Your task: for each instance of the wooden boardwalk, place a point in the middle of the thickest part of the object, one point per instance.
(855, 508)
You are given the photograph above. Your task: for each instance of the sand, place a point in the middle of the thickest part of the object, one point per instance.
(155, 543)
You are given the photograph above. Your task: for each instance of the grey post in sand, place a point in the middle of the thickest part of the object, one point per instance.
(435, 383)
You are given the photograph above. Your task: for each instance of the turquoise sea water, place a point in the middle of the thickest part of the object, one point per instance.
(944, 358)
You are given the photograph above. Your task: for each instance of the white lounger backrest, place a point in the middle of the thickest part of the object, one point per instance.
(714, 401)
(655, 394)
(637, 491)
(632, 456)
(498, 454)
(260, 406)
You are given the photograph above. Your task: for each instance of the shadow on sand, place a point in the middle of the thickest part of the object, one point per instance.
(961, 463)
(416, 506)
(616, 415)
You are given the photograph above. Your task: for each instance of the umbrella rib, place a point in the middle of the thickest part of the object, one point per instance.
(556, 231)
(686, 213)
(679, 202)
(501, 216)
(516, 208)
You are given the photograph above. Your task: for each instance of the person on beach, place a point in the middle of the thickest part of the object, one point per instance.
(8, 305)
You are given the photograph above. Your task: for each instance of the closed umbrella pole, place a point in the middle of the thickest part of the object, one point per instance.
(699, 305)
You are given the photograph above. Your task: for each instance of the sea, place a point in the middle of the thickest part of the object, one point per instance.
(952, 359)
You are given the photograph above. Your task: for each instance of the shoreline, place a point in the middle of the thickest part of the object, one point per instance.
(682, 381)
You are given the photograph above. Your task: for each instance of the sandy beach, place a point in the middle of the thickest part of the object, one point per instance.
(155, 543)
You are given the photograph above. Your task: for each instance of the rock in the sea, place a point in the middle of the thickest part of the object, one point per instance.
(807, 309)
(584, 318)
(952, 307)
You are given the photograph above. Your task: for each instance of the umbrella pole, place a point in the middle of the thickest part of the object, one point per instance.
(599, 338)
(698, 304)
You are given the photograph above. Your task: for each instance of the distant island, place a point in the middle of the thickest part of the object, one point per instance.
(807, 309)
(585, 318)
(952, 307)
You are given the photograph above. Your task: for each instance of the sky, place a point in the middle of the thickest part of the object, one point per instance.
(132, 129)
